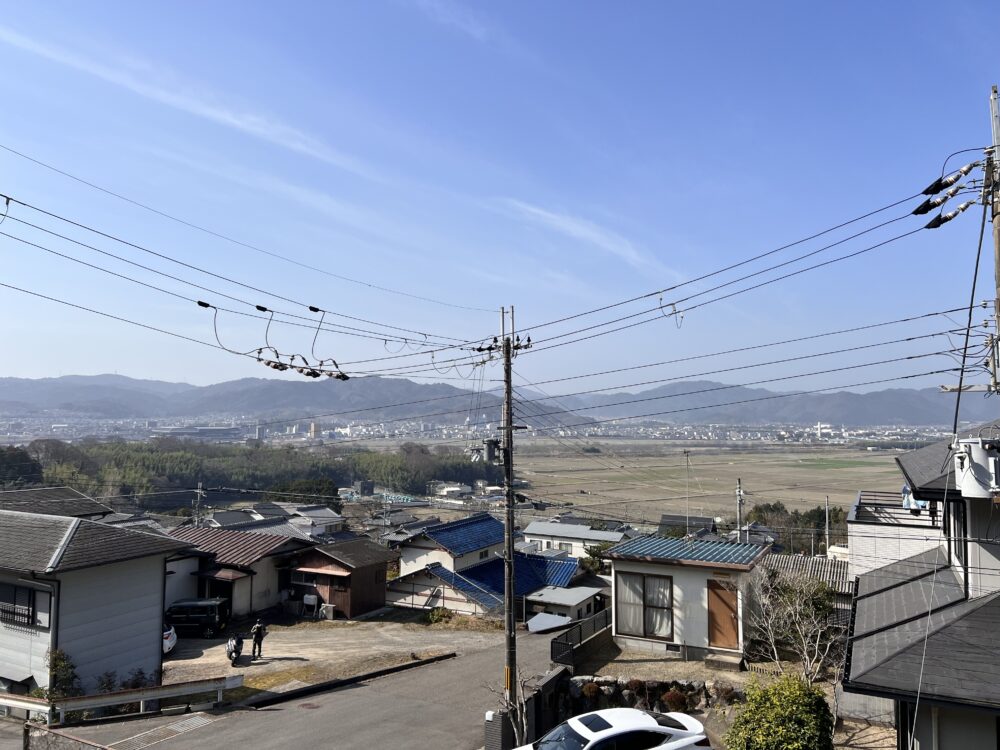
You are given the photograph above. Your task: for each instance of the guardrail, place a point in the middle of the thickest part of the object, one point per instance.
(102, 700)
(561, 650)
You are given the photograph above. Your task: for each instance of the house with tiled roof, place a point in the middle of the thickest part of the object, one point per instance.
(92, 590)
(681, 597)
(926, 607)
(574, 539)
(54, 501)
(348, 577)
(459, 565)
(251, 570)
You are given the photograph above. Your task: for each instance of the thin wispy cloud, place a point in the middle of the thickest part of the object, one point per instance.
(455, 16)
(583, 230)
(151, 82)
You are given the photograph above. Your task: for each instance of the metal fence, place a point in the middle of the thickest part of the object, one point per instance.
(563, 645)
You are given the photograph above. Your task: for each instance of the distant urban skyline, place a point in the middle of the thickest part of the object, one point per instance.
(558, 158)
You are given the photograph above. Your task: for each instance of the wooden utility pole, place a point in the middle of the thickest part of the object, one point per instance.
(828, 525)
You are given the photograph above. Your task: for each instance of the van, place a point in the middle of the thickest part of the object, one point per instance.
(205, 617)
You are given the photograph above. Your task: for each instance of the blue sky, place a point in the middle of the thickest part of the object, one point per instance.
(556, 156)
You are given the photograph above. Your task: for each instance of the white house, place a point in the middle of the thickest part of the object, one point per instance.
(573, 538)
(94, 591)
(681, 597)
(454, 545)
(246, 568)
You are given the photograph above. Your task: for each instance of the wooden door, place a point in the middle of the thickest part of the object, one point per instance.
(723, 616)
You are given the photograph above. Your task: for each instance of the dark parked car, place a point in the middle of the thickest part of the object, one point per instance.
(203, 616)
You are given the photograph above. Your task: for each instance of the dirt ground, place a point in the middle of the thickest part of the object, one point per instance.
(625, 481)
(309, 652)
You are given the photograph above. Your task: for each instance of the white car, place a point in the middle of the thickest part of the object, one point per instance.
(169, 638)
(624, 729)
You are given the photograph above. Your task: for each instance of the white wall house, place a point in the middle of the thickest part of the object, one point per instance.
(455, 545)
(248, 567)
(572, 538)
(681, 598)
(93, 591)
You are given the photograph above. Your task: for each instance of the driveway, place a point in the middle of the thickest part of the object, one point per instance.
(440, 705)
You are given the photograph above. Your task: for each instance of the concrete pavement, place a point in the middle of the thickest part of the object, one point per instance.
(439, 706)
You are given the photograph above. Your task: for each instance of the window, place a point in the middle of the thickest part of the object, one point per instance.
(589, 607)
(339, 583)
(644, 606)
(17, 605)
(303, 579)
(565, 546)
(483, 554)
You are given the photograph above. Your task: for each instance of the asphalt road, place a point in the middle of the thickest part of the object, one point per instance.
(440, 706)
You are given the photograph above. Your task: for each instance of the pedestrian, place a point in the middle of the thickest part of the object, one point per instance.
(258, 631)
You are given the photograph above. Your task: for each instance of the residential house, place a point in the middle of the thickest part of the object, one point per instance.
(672, 524)
(927, 602)
(349, 576)
(834, 573)
(54, 501)
(458, 565)
(574, 539)
(575, 602)
(94, 591)
(251, 570)
(681, 597)
(756, 533)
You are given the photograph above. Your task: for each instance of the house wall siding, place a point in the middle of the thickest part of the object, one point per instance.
(872, 546)
(111, 618)
(984, 557)
(413, 558)
(23, 648)
(182, 583)
(422, 591)
(266, 592)
(461, 562)
(690, 604)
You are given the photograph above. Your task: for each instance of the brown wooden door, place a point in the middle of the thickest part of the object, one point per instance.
(723, 622)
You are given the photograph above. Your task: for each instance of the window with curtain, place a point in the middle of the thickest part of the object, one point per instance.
(644, 605)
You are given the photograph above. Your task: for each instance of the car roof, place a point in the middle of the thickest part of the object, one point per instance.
(620, 719)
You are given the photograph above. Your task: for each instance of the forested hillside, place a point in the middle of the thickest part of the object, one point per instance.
(121, 468)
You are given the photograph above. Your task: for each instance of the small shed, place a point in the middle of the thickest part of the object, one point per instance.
(350, 576)
(576, 602)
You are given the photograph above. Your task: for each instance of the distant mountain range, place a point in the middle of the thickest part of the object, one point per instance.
(374, 399)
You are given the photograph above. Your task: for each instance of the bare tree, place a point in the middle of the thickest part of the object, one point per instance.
(791, 618)
(515, 707)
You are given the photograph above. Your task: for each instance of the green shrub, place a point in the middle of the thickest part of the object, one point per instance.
(439, 614)
(784, 715)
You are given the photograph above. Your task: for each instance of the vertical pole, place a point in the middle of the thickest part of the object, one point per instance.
(197, 506)
(992, 178)
(510, 670)
(739, 510)
(828, 525)
(687, 491)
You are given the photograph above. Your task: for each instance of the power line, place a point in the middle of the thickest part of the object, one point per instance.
(234, 241)
(221, 277)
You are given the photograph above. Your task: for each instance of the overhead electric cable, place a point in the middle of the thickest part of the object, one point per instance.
(227, 238)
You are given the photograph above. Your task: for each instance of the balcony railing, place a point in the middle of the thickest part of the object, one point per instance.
(886, 508)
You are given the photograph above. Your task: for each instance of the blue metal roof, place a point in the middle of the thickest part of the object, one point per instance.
(484, 582)
(474, 591)
(689, 551)
(467, 534)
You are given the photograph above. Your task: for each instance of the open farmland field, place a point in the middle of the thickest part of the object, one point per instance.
(642, 479)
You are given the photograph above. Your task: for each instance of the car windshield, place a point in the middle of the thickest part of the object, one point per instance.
(563, 737)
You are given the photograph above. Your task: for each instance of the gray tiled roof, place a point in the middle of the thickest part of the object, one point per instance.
(52, 501)
(571, 531)
(358, 553)
(916, 600)
(52, 544)
(689, 552)
(929, 470)
(832, 572)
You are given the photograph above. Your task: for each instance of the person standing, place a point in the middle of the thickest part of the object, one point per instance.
(258, 631)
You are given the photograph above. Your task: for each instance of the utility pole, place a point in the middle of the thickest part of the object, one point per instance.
(828, 525)
(198, 495)
(739, 510)
(511, 344)
(991, 192)
(687, 492)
